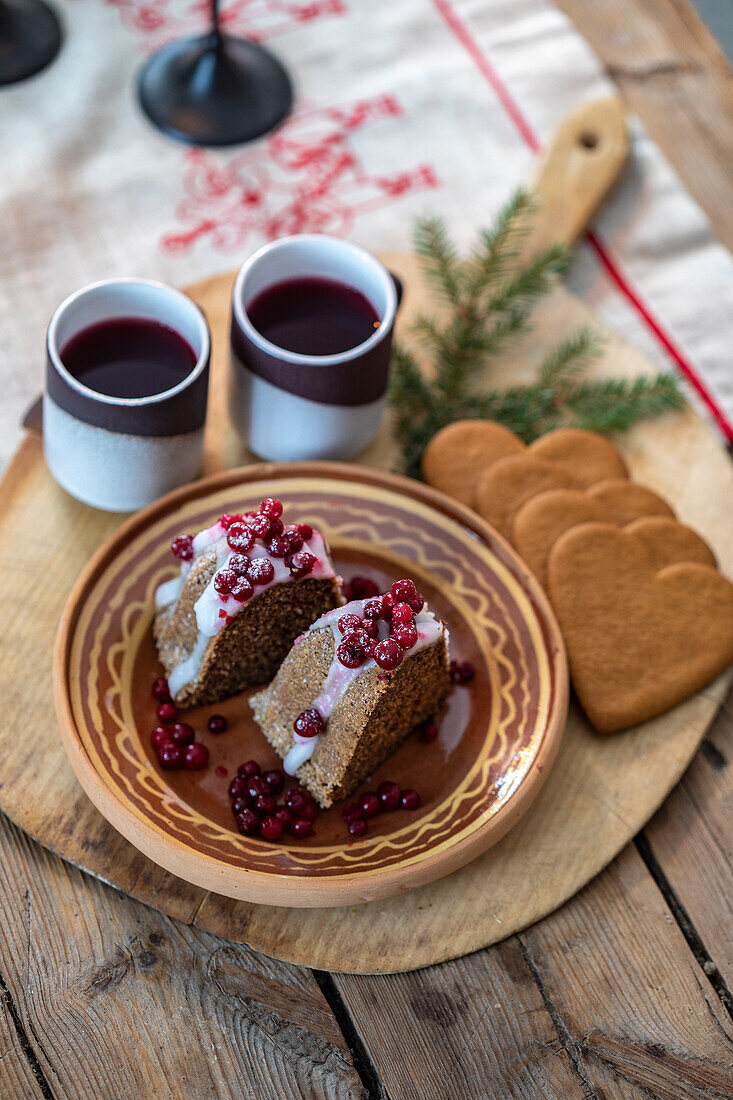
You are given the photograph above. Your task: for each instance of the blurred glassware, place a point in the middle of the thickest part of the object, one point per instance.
(30, 38)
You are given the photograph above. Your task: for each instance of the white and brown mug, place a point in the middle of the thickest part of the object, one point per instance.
(288, 405)
(121, 453)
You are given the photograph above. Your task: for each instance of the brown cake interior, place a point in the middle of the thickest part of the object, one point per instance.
(368, 722)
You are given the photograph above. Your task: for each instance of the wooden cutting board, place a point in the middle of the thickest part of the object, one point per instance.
(601, 790)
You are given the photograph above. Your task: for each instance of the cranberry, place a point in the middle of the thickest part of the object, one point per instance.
(239, 564)
(170, 756)
(370, 648)
(182, 547)
(350, 810)
(369, 804)
(428, 732)
(260, 525)
(309, 810)
(388, 654)
(226, 520)
(402, 613)
(239, 805)
(275, 780)
(405, 634)
(389, 795)
(296, 800)
(224, 581)
(361, 588)
(159, 736)
(238, 787)
(242, 589)
(351, 656)
(248, 822)
(271, 507)
(309, 723)
(461, 673)
(284, 814)
(166, 713)
(294, 537)
(160, 690)
(256, 786)
(403, 590)
(302, 564)
(373, 610)
(357, 826)
(276, 528)
(278, 546)
(409, 800)
(301, 827)
(265, 804)
(217, 723)
(388, 602)
(248, 769)
(347, 623)
(370, 627)
(240, 537)
(182, 733)
(197, 757)
(271, 828)
(417, 602)
(260, 571)
(305, 531)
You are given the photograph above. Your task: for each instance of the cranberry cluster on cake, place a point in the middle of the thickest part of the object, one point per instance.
(353, 687)
(248, 585)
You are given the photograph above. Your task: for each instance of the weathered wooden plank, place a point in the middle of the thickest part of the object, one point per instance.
(476, 1027)
(674, 76)
(118, 1000)
(601, 999)
(691, 838)
(17, 1080)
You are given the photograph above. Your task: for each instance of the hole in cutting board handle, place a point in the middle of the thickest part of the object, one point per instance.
(588, 139)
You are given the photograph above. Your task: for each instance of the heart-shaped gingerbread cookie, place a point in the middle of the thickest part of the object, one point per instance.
(565, 459)
(543, 518)
(458, 454)
(639, 639)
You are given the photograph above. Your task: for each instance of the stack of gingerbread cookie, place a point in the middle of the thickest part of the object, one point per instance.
(646, 616)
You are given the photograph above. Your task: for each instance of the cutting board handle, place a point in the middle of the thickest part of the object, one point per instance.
(581, 164)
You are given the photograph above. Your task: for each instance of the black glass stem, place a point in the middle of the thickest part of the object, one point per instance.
(30, 38)
(214, 89)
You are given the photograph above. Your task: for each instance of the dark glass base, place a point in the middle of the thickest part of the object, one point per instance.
(30, 38)
(214, 90)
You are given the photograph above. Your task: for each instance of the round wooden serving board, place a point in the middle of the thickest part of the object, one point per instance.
(599, 793)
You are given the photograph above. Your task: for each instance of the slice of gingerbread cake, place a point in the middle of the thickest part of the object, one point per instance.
(353, 687)
(248, 586)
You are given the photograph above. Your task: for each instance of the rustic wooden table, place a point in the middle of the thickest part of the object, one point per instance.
(625, 992)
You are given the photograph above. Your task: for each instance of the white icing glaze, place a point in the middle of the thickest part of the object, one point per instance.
(210, 603)
(340, 678)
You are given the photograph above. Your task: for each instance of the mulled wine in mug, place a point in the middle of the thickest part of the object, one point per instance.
(311, 341)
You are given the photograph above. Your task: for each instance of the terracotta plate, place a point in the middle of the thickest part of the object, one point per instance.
(497, 739)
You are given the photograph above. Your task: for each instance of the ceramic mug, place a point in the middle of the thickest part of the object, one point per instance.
(288, 406)
(117, 453)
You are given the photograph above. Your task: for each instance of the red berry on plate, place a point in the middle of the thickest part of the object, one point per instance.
(159, 736)
(166, 713)
(239, 805)
(260, 571)
(278, 546)
(388, 654)
(296, 800)
(224, 581)
(275, 780)
(284, 814)
(369, 804)
(170, 756)
(403, 590)
(271, 828)
(402, 613)
(248, 822)
(248, 769)
(294, 537)
(417, 602)
(370, 627)
(265, 804)
(351, 656)
(389, 795)
(302, 564)
(182, 547)
(405, 634)
(242, 589)
(350, 810)
(357, 826)
(409, 800)
(301, 827)
(197, 757)
(347, 623)
(388, 602)
(256, 786)
(309, 723)
(271, 507)
(239, 564)
(373, 610)
(217, 723)
(161, 692)
(182, 733)
(260, 525)
(305, 531)
(238, 787)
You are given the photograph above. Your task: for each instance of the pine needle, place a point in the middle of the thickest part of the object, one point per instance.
(490, 303)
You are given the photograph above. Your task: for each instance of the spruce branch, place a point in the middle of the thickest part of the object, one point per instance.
(490, 302)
